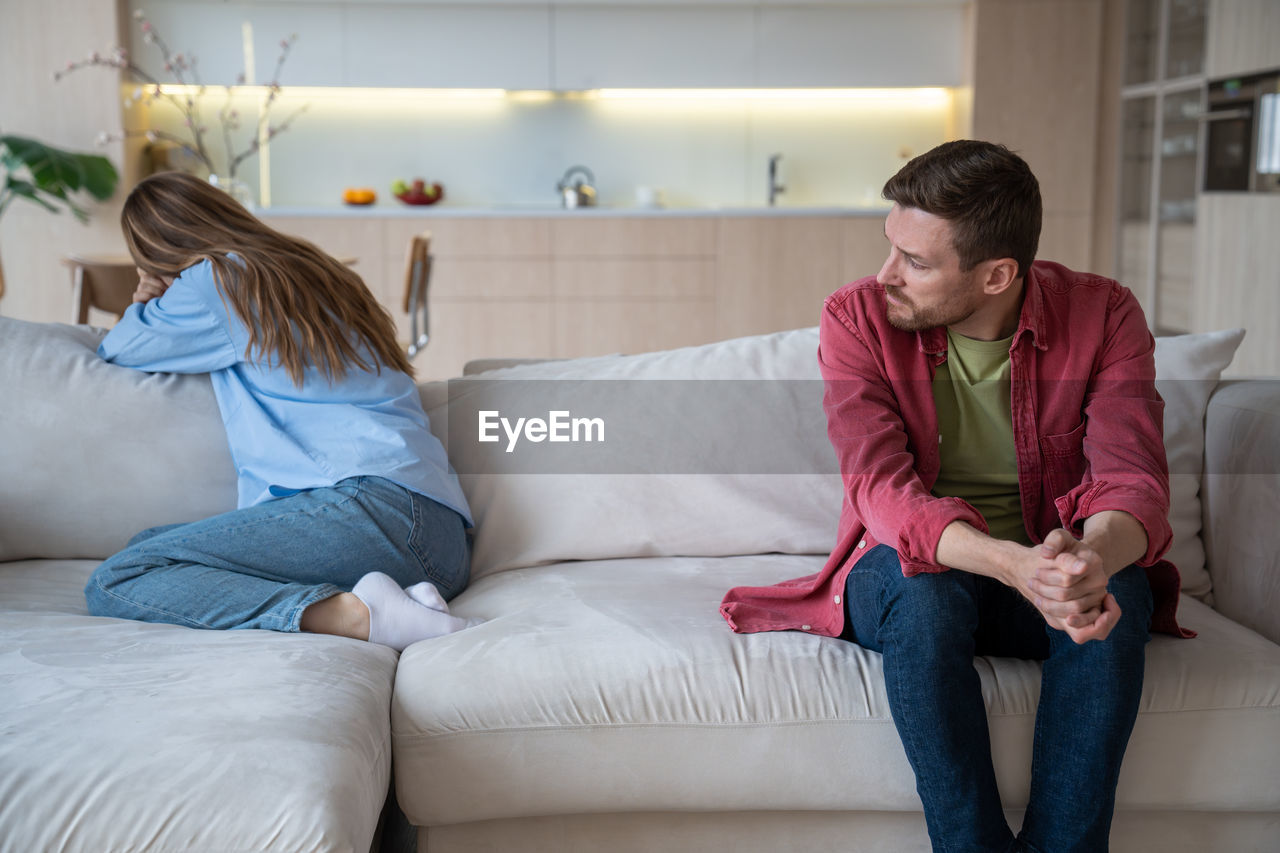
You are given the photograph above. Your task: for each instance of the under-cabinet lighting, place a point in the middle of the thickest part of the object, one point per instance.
(531, 95)
(917, 95)
(921, 96)
(344, 93)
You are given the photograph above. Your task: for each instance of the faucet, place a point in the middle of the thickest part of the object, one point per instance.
(774, 186)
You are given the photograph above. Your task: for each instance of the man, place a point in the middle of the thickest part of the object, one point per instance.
(1006, 493)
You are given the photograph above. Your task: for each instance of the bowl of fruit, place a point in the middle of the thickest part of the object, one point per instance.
(417, 192)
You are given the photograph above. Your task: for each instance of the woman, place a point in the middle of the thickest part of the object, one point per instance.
(350, 520)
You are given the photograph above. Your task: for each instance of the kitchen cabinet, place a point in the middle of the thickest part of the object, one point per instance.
(436, 47)
(653, 48)
(1161, 102)
(1238, 268)
(1243, 37)
(563, 286)
(774, 274)
(632, 285)
(203, 30)
(490, 293)
(1237, 256)
(370, 45)
(316, 58)
(568, 46)
(346, 237)
(855, 46)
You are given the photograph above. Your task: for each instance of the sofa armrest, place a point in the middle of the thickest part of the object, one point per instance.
(1240, 496)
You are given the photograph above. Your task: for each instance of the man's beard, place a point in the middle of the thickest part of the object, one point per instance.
(957, 309)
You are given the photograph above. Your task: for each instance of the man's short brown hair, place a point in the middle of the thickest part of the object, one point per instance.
(987, 193)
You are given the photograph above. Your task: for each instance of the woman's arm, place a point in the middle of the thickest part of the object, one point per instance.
(173, 328)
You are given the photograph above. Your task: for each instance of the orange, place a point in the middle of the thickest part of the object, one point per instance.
(359, 195)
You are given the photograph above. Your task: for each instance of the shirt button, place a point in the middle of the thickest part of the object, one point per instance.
(804, 627)
(837, 599)
(862, 544)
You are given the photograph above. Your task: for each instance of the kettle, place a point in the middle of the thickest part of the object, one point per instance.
(578, 193)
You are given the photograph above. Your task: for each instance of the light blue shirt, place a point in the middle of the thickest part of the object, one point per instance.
(285, 438)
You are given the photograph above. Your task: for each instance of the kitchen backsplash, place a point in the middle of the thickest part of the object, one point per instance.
(495, 149)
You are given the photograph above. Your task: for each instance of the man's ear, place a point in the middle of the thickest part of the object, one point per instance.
(1001, 274)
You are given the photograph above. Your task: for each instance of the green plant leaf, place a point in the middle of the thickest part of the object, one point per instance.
(28, 190)
(55, 173)
(100, 176)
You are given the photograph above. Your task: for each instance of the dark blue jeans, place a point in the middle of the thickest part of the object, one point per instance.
(929, 628)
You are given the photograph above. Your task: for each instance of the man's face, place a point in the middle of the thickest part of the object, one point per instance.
(923, 284)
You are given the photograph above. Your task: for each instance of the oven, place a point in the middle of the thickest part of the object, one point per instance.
(1242, 135)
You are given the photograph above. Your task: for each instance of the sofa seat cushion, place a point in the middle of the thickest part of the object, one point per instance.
(118, 735)
(613, 686)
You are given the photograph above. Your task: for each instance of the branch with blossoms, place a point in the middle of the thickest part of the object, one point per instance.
(185, 72)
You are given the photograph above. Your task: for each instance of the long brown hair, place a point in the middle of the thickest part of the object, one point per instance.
(301, 306)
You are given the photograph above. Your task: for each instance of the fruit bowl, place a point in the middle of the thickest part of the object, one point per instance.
(417, 194)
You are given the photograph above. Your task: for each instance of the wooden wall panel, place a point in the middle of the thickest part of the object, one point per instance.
(37, 38)
(1243, 37)
(1036, 84)
(1238, 276)
(1106, 187)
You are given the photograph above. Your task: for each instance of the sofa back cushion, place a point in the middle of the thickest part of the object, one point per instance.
(92, 453)
(712, 450)
(717, 450)
(1187, 371)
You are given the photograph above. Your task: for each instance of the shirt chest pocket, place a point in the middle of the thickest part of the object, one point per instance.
(1064, 462)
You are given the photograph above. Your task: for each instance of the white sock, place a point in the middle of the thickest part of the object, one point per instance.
(427, 595)
(395, 619)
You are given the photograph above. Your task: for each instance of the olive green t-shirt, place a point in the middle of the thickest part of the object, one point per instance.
(975, 427)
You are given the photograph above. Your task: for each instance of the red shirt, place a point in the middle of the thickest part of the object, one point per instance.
(1087, 425)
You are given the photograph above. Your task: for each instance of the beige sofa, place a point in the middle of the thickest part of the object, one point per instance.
(604, 704)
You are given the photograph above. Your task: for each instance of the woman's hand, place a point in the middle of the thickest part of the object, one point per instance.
(150, 286)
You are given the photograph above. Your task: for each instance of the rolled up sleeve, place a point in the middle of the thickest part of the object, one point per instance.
(1124, 435)
(179, 332)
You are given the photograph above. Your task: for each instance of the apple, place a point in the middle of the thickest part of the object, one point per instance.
(418, 193)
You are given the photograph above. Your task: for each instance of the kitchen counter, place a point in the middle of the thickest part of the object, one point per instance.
(446, 211)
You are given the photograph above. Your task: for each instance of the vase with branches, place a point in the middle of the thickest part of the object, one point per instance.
(187, 97)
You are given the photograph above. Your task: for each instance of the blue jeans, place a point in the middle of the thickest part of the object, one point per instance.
(261, 566)
(929, 628)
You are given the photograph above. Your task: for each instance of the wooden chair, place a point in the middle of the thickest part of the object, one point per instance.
(417, 278)
(105, 282)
